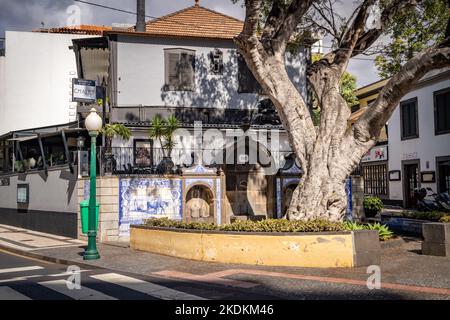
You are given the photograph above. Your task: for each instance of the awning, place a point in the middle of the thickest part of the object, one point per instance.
(22, 139)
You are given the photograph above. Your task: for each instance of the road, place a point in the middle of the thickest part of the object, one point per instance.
(23, 278)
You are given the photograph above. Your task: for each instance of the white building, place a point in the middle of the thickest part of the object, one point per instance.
(419, 139)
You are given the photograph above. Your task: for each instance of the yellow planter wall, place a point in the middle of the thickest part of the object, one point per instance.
(309, 250)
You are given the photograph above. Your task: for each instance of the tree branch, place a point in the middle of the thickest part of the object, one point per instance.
(367, 128)
(252, 11)
(282, 23)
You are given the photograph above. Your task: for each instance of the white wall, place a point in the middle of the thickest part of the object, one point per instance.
(140, 73)
(55, 192)
(427, 147)
(2, 90)
(38, 68)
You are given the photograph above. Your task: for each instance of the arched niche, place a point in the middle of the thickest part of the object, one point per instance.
(200, 203)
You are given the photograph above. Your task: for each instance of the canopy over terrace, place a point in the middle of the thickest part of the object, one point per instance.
(39, 148)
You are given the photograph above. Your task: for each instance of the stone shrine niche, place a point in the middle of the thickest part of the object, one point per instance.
(200, 204)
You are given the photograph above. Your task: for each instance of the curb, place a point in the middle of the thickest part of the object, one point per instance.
(47, 258)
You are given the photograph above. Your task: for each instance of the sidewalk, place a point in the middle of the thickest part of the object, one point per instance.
(406, 274)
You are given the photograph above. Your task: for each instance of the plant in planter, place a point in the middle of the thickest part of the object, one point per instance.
(384, 232)
(163, 130)
(110, 131)
(372, 206)
(445, 219)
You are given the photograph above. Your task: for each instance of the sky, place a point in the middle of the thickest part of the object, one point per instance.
(27, 15)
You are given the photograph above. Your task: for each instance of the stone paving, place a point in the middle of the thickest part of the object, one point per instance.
(405, 272)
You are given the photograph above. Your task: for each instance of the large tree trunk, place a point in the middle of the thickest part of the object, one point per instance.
(328, 154)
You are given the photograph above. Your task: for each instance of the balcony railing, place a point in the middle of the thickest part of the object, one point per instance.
(128, 160)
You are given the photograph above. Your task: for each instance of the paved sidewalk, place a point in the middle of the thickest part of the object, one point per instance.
(405, 273)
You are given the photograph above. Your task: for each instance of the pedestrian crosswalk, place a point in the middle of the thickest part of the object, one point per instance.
(93, 286)
(7, 293)
(149, 288)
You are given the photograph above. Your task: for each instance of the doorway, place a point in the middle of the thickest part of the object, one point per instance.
(443, 174)
(411, 181)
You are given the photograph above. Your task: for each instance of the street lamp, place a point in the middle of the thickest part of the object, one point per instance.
(93, 124)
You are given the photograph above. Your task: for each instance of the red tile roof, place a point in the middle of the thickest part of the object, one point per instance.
(195, 22)
(81, 29)
(192, 22)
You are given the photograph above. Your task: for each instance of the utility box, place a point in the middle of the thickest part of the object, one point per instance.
(84, 210)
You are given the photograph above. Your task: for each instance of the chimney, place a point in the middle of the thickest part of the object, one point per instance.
(140, 19)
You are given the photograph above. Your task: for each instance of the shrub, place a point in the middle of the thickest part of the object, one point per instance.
(274, 225)
(445, 219)
(268, 225)
(373, 204)
(383, 231)
(351, 226)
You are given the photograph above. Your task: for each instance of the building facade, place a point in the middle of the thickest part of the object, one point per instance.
(419, 140)
(413, 150)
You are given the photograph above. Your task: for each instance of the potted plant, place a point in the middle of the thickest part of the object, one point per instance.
(163, 130)
(110, 131)
(372, 206)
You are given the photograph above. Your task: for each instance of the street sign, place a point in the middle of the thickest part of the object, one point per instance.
(84, 91)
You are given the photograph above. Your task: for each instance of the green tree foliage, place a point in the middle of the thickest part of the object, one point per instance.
(411, 32)
(163, 130)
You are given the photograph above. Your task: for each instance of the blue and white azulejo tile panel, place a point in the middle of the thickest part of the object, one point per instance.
(144, 198)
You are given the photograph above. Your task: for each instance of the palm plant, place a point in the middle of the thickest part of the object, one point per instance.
(115, 130)
(163, 131)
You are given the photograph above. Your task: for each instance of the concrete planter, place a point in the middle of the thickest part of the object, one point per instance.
(404, 225)
(436, 239)
(322, 250)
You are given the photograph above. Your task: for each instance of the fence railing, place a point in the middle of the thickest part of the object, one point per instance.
(129, 160)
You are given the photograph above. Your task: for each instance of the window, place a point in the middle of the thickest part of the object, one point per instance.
(216, 57)
(375, 179)
(442, 111)
(179, 70)
(408, 119)
(247, 82)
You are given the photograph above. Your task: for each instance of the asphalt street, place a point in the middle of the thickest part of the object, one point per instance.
(23, 278)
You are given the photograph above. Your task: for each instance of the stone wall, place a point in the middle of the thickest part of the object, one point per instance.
(108, 197)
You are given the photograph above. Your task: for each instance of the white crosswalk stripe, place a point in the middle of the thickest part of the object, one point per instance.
(149, 288)
(78, 294)
(7, 293)
(20, 269)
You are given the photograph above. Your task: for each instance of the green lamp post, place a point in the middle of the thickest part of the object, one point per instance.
(93, 124)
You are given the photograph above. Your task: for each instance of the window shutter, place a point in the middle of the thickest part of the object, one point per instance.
(173, 69)
(409, 119)
(246, 80)
(443, 111)
(187, 63)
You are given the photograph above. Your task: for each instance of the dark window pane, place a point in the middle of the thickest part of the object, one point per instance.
(408, 112)
(247, 82)
(443, 112)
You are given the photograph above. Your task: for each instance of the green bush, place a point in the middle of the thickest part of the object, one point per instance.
(351, 226)
(268, 225)
(273, 225)
(373, 204)
(445, 219)
(426, 215)
(383, 231)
